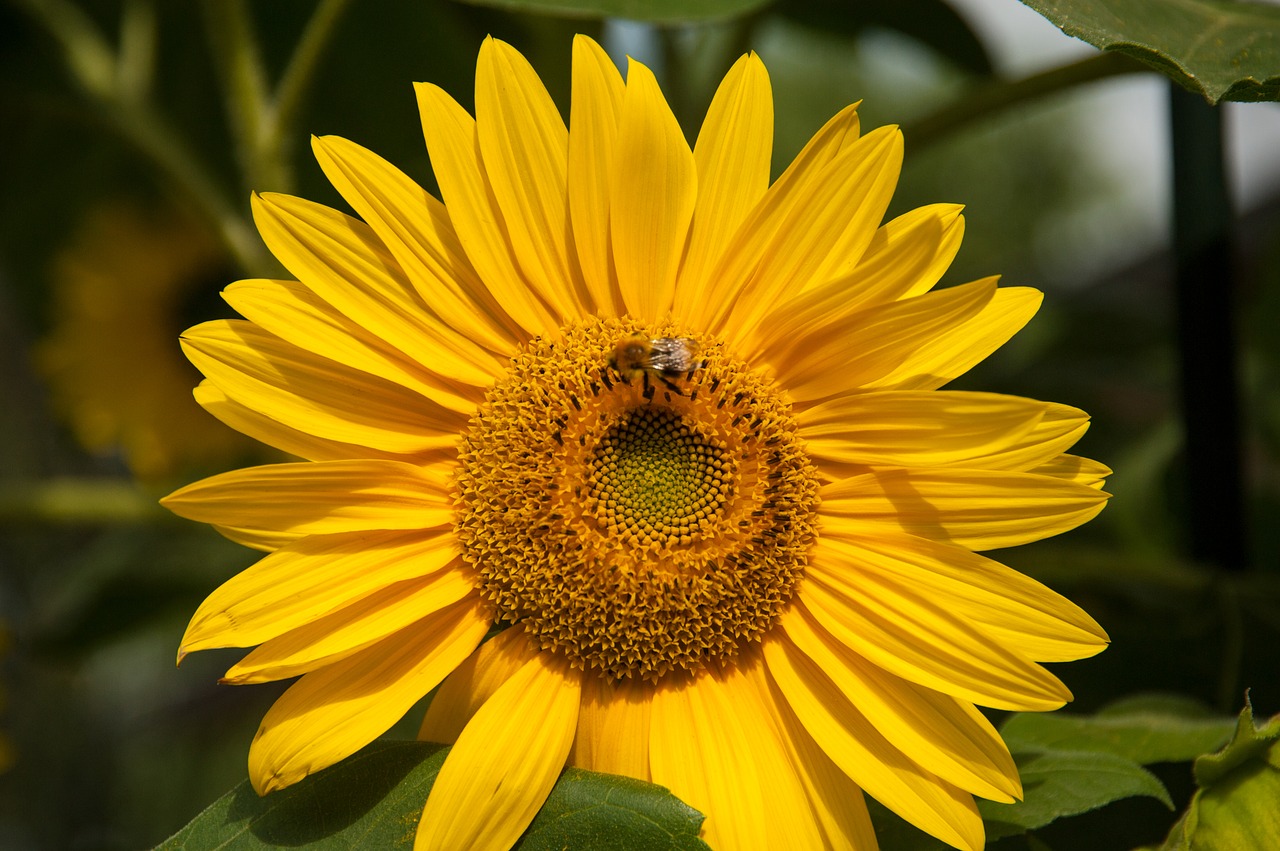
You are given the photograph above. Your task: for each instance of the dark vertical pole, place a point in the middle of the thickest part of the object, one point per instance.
(1205, 295)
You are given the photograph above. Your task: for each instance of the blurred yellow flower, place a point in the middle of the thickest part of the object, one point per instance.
(680, 429)
(121, 289)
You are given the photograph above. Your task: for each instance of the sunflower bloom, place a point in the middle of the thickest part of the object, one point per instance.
(677, 429)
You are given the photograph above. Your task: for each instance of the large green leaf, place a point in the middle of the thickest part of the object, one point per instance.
(374, 799)
(1221, 49)
(665, 11)
(1148, 729)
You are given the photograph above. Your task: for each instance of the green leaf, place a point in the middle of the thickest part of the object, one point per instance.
(374, 799)
(1057, 784)
(664, 11)
(1145, 730)
(1221, 49)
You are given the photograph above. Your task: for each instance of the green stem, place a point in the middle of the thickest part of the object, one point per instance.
(292, 89)
(235, 49)
(136, 67)
(78, 501)
(999, 95)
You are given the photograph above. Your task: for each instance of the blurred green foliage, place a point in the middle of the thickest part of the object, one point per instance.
(113, 748)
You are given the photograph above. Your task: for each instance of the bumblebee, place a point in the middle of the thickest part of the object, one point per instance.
(669, 356)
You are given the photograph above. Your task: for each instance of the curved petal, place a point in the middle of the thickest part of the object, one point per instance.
(946, 356)
(524, 147)
(342, 261)
(593, 141)
(1059, 429)
(847, 352)
(916, 429)
(321, 497)
(652, 193)
(978, 509)
(501, 770)
(732, 156)
(914, 636)
(936, 731)
(346, 631)
(275, 434)
(713, 744)
(613, 728)
(454, 147)
(296, 315)
(857, 747)
(1016, 610)
(309, 579)
(314, 394)
(257, 539)
(332, 713)
(416, 229)
(462, 694)
(1073, 468)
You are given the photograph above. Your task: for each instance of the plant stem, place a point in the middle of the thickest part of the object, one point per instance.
(996, 96)
(296, 79)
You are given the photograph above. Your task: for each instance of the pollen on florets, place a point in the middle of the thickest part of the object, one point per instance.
(638, 521)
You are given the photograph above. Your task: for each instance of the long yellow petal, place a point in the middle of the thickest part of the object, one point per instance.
(732, 157)
(978, 509)
(342, 261)
(416, 229)
(321, 498)
(944, 735)
(316, 395)
(333, 712)
(917, 429)
(946, 356)
(652, 193)
(524, 146)
(1073, 468)
(348, 630)
(309, 579)
(847, 352)
(916, 637)
(593, 140)
(613, 728)
(1059, 429)
(502, 767)
(1016, 610)
(857, 747)
(296, 315)
(462, 694)
(258, 539)
(454, 147)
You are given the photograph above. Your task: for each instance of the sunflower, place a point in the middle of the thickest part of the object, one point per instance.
(672, 428)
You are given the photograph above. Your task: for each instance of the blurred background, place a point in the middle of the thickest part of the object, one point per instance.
(123, 212)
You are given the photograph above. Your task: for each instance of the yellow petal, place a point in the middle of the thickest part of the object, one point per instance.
(713, 745)
(836, 800)
(905, 258)
(276, 434)
(1073, 468)
(944, 735)
(1059, 429)
(914, 636)
(505, 762)
(332, 713)
(593, 139)
(314, 394)
(348, 630)
(652, 193)
(613, 728)
(321, 498)
(415, 228)
(732, 156)
(857, 747)
(845, 352)
(524, 146)
(309, 579)
(462, 694)
(258, 539)
(946, 356)
(920, 429)
(343, 262)
(455, 159)
(296, 315)
(1016, 610)
(978, 509)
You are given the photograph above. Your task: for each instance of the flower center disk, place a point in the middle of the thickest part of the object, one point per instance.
(639, 521)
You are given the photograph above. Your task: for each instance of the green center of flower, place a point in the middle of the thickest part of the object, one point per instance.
(638, 519)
